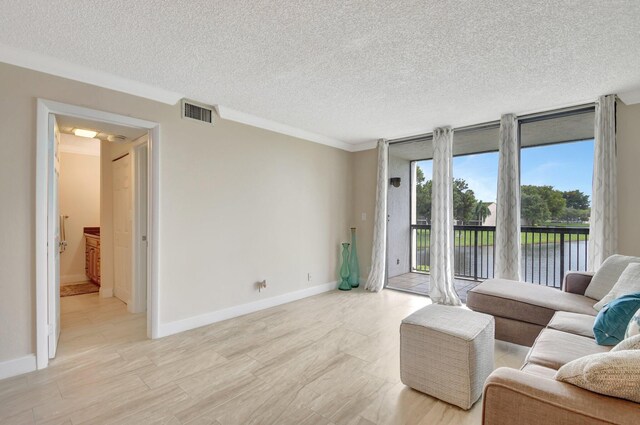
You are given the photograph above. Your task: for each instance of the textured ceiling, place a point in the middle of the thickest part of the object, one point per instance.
(350, 70)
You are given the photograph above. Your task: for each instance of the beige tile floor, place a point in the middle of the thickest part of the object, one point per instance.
(329, 359)
(419, 283)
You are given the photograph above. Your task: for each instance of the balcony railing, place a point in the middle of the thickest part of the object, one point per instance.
(547, 252)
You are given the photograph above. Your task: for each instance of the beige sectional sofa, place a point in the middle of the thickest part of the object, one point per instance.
(558, 325)
(522, 310)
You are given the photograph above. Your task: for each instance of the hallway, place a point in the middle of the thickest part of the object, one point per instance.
(90, 323)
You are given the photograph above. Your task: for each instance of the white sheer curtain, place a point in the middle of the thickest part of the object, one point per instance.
(441, 267)
(603, 226)
(507, 255)
(375, 281)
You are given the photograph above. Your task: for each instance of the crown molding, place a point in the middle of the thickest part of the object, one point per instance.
(60, 68)
(53, 66)
(364, 146)
(630, 97)
(230, 114)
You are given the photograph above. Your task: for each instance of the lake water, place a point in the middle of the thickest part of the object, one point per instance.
(540, 262)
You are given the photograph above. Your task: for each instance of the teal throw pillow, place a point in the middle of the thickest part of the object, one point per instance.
(612, 321)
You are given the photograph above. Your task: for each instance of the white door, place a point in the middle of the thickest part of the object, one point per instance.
(54, 245)
(140, 231)
(122, 227)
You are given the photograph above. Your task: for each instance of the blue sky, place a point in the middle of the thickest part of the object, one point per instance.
(565, 166)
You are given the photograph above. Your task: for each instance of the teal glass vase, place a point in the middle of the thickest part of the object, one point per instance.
(354, 267)
(344, 269)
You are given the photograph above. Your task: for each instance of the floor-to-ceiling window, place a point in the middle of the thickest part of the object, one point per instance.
(556, 168)
(474, 208)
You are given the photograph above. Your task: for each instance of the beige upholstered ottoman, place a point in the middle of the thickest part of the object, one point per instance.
(447, 352)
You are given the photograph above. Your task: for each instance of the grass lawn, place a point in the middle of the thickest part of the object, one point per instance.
(580, 225)
(485, 237)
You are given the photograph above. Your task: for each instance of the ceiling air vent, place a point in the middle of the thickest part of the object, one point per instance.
(197, 111)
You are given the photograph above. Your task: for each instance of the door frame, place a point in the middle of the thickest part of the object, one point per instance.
(54, 235)
(42, 243)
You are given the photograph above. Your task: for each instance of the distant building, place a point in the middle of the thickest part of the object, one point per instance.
(490, 220)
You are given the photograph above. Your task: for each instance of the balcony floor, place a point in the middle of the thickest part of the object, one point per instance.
(419, 283)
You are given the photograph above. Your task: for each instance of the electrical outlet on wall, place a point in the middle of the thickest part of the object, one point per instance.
(308, 277)
(261, 285)
(397, 261)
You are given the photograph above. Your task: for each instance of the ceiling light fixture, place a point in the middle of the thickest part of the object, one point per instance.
(85, 133)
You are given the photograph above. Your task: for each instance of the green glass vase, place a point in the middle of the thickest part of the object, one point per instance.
(354, 267)
(344, 269)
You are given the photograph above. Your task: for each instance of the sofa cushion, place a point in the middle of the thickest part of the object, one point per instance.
(573, 323)
(536, 369)
(612, 321)
(631, 343)
(614, 374)
(628, 283)
(525, 301)
(554, 348)
(517, 331)
(607, 275)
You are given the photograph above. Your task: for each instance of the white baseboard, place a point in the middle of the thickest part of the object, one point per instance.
(17, 366)
(72, 278)
(166, 329)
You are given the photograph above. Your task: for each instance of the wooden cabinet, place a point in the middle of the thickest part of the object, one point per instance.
(92, 254)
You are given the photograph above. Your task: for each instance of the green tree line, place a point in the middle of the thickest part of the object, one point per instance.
(539, 204)
(466, 207)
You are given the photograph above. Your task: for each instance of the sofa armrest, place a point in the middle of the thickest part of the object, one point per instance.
(513, 396)
(576, 282)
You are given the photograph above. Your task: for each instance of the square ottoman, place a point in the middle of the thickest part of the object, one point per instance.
(447, 352)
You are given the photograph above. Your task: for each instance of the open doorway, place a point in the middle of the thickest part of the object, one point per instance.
(96, 275)
(100, 200)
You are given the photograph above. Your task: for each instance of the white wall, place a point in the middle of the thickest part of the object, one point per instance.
(399, 212)
(628, 141)
(79, 187)
(238, 204)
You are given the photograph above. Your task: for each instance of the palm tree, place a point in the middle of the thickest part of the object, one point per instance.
(481, 211)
